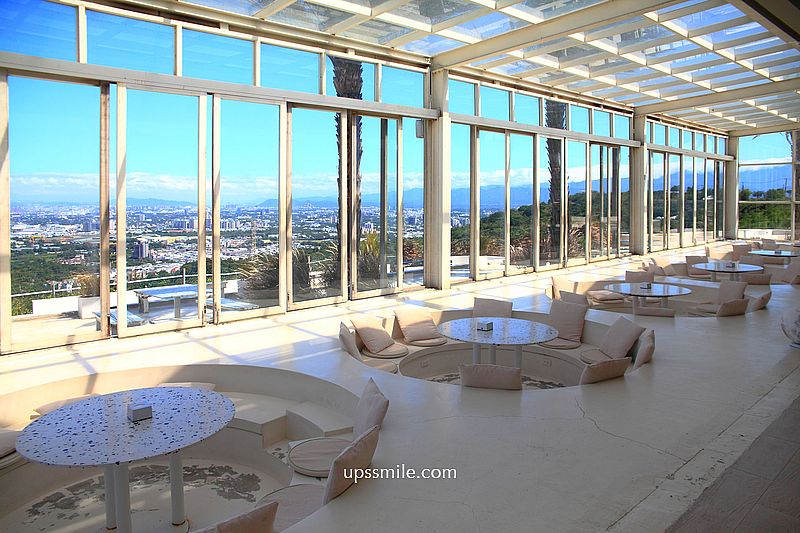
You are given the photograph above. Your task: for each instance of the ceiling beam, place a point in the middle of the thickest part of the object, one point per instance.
(579, 21)
(756, 91)
(760, 131)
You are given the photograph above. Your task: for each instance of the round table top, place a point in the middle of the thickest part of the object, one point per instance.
(506, 331)
(776, 253)
(723, 266)
(656, 290)
(96, 431)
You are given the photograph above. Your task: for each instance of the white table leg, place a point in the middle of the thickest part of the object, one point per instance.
(176, 304)
(176, 489)
(476, 353)
(111, 510)
(635, 305)
(713, 276)
(734, 276)
(492, 354)
(518, 356)
(122, 496)
(664, 303)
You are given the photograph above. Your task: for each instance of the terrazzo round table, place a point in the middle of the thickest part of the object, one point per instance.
(656, 290)
(97, 432)
(723, 266)
(505, 332)
(787, 255)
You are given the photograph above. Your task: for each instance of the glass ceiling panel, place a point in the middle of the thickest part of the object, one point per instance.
(643, 35)
(641, 71)
(547, 9)
(489, 25)
(377, 31)
(763, 44)
(552, 78)
(607, 30)
(435, 11)
(431, 45)
(691, 60)
(711, 16)
(772, 57)
(672, 48)
(610, 63)
(534, 49)
(309, 16)
(666, 10)
(516, 68)
(243, 7)
(575, 52)
(717, 71)
(746, 30)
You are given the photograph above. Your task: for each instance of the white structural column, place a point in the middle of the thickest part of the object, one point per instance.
(5, 220)
(731, 188)
(437, 188)
(111, 500)
(122, 491)
(176, 489)
(638, 199)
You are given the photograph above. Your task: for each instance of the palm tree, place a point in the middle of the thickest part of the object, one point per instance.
(555, 117)
(348, 83)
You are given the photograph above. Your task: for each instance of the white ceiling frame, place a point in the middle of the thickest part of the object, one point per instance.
(777, 62)
(355, 20)
(764, 21)
(690, 10)
(695, 67)
(274, 7)
(763, 52)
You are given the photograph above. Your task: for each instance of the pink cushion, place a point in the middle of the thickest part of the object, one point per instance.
(357, 455)
(370, 409)
(631, 276)
(603, 295)
(348, 341)
(752, 260)
(769, 244)
(692, 260)
(568, 319)
(561, 344)
(620, 337)
(52, 406)
(676, 269)
(491, 377)
(490, 307)
(573, 297)
(373, 335)
(593, 356)
(733, 307)
(792, 272)
(259, 520)
(416, 324)
(647, 345)
(392, 352)
(731, 290)
(8, 441)
(761, 302)
(314, 457)
(603, 371)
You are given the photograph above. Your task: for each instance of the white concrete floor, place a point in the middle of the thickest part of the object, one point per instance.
(626, 455)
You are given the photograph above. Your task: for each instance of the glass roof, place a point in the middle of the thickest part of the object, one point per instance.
(682, 49)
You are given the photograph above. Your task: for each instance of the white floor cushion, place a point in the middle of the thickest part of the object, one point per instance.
(314, 457)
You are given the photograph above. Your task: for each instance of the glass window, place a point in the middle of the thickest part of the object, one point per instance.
(710, 146)
(38, 28)
(660, 134)
(494, 103)
(674, 206)
(492, 203)
(625, 203)
(526, 109)
(578, 119)
(686, 139)
(674, 138)
(555, 114)
(576, 199)
(289, 69)
(350, 79)
(128, 43)
(601, 122)
(721, 145)
(700, 200)
(215, 57)
(622, 127)
(402, 87)
(461, 97)
(688, 201)
(769, 148)
(249, 199)
(657, 201)
(699, 142)
(460, 202)
(413, 204)
(550, 186)
(521, 198)
(648, 126)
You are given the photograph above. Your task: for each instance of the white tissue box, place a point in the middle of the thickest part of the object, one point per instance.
(485, 325)
(646, 285)
(138, 412)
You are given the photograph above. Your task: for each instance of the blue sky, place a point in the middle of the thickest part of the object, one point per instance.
(55, 126)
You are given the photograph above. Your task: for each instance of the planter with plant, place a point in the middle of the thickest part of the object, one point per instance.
(89, 296)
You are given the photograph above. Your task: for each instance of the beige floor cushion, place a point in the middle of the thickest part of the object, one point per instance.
(417, 325)
(731, 290)
(632, 276)
(314, 457)
(371, 408)
(655, 311)
(295, 503)
(491, 377)
(733, 308)
(429, 342)
(348, 341)
(561, 344)
(356, 456)
(259, 520)
(647, 346)
(189, 384)
(490, 307)
(760, 302)
(394, 351)
(606, 370)
(52, 406)
(375, 338)
(752, 260)
(603, 295)
(568, 318)
(756, 278)
(8, 441)
(704, 309)
(620, 337)
(594, 356)
(740, 251)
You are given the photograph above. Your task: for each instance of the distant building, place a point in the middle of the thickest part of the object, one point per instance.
(141, 250)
